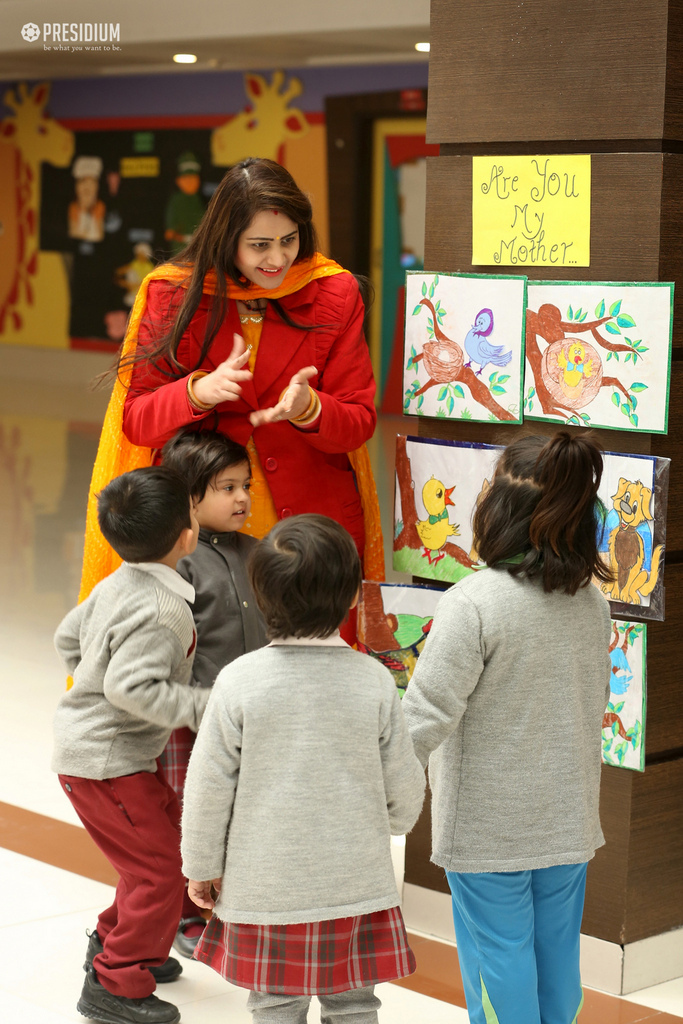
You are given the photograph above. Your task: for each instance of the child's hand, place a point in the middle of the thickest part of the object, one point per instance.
(200, 892)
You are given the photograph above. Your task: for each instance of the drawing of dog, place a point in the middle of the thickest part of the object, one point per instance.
(629, 544)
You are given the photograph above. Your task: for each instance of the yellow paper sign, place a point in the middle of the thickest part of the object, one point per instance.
(139, 167)
(531, 210)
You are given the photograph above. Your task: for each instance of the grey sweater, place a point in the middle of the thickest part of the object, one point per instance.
(508, 698)
(129, 647)
(302, 768)
(227, 620)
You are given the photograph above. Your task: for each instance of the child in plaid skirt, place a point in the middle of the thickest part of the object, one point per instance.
(300, 774)
(228, 623)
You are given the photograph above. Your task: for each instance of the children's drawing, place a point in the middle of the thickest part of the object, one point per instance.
(464, 346)
(634, 492)
(623, 724)
(567, 378)
(438, 485)
(394, 621)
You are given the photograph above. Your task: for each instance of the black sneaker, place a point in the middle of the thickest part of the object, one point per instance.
(186, 944)
(168, 971)
(99, 1004)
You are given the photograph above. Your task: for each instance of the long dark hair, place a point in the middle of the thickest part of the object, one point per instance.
(246, 189)
(543, 506)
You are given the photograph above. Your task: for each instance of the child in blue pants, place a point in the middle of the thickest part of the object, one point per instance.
(508, 698)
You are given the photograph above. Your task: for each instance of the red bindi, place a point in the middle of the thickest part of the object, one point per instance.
(276, 212)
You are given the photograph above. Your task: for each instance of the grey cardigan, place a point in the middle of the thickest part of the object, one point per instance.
(508, 698)
(129, 647)
(225, 614)
(301, 770)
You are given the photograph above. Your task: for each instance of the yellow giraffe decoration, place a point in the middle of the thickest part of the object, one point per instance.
(265, 124)
(34, 288)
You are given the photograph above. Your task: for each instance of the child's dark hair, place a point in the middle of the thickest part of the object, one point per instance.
(305, 574)
(199, 455)
(142, 513)
(543, 506)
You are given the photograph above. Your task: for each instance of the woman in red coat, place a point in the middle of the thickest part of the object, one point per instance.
(300, 393)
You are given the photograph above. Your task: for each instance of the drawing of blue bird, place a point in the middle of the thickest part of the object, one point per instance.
(478, 347)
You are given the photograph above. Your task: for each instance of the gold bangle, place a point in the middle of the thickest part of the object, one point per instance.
(195, 402)
(311, 413)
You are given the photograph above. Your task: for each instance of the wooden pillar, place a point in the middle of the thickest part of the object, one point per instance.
(544, 77)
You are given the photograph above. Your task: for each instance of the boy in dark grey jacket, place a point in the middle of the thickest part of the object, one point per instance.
(129, 647)
(228, 622)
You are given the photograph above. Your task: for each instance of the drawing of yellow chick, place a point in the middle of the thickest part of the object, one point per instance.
(574, 368)
(436, 529)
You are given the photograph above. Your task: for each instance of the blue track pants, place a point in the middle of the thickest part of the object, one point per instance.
(518, 943)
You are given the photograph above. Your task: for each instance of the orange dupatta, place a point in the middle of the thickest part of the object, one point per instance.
(116, 454)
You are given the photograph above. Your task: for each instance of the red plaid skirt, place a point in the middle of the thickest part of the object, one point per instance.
(175, 759)
(309, 959)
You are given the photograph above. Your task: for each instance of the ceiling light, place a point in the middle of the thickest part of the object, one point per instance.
(422, 47)
(185, 58)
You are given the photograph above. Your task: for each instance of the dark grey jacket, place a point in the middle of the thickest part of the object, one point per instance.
(227, 620)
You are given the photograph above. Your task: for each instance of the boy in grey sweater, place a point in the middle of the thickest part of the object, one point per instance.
(302, 770)
(129, 647)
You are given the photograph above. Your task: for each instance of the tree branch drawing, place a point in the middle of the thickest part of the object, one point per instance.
(568, 373)
(444, 361)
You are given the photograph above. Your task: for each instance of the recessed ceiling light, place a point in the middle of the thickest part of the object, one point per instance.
(185, 58)
(422, 47)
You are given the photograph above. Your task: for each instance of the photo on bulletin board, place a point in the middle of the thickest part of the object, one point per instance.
(599, 354)
(464, 346)
(438, 484)
(623, 724)
(394, 620)
(634, 491)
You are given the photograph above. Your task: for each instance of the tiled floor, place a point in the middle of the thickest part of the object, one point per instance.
(54, 881)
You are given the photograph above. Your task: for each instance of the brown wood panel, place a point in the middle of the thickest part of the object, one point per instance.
(655, 875)
(673, 107)
(664, 722)
(671, 233)
(605, 909)
(625, 215)
(547, 69)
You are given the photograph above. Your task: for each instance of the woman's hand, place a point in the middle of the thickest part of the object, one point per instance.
(294, 402)
(223, 383)
(200, 892)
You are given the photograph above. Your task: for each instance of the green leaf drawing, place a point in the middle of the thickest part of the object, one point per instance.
(458, 391)
(617, 707)
(531, 405)
(615, 399)
(600, 309)
(609, 356)
(577, 315)
(450, 403)
(442, 394)
(570, 313)
(417, 309)
(420, 401)
(505, 377)
(496, 390)
(638, 387)
(626, 409)
(614, 308)
(629, 355)
(430, 323)
(583, 317)
(492, 378)
(624, 320)
(612, 329)
(431, 290)
(424, 288)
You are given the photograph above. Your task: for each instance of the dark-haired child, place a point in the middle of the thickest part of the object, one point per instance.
(302, 769)
(129, 648)
(227, 619)
(508, 699)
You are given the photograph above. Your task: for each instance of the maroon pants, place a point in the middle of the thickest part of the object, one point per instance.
(135, 821)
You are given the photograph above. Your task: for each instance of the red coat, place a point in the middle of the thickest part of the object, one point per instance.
(307, 471)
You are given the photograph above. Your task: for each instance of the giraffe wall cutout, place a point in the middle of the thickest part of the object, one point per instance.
(266, 123)
(34, 289)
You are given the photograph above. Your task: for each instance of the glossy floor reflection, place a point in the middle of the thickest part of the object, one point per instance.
(49, 427)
